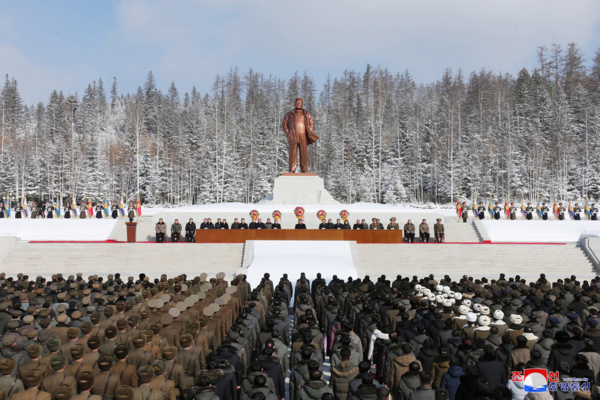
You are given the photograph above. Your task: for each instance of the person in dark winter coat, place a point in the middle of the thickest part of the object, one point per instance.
(205, 390)
(424, 391)
(451, 379)
(561, 351)
(271, 366)
(364, 369)
(581, 369)
(227, 352)
(545, 345)
(441, 364)
(260, 386)
(472, 386)
(409, 382)
(314, 388)
(490, 369)
(367, 389)
(427, 354)
(342, 374)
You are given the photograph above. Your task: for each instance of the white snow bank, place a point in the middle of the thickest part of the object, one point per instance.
(540, 231)
(90, 229)
(293, 257)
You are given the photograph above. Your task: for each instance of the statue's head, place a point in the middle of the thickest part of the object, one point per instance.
(298, 103)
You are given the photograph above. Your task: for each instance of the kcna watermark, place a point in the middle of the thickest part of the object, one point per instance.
(542, 380)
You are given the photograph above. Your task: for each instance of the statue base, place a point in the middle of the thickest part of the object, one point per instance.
(299, 189)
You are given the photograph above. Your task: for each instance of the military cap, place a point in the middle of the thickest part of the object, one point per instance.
(145, 314)
(13, 324)
(149, 334)
(186, 340)
(124, 393)
(28, 319)
(85, 380)
(109, 311)
(32, 333)
(111, 332)
(145, 373)
(77, 351)
(94, 342)
(45, 312)
(8, 340)
(53, 344)
(72, 332)
(139, 340)
(95, 318)
(121, 351)
(32, 378)
(86, 327)
(62, 392)
(174, 312)
(62, 318)
(170, 352)
(105, 362)
(58, 361)
(166, 319)
(159, 366)
(76, 314)
(7, 365)
(133, 321)
(86, 301)
(34, 350)
(122, 324)
(3, 306)
(44, 335)
(120, 306)
(220, 275)
(61, 308)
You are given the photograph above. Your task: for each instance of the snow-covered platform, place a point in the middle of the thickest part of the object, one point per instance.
(540, 231)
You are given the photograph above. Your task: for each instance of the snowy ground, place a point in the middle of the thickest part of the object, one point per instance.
(292, 257)
(541, 231)
(58, 229)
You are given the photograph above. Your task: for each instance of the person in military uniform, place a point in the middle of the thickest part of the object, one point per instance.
(18, 210)
(594, 212)
(529, 212)
(105, 383)
(190, 230)
(83, 210)
(67, 211)
(481, 210)
(161, 382)
(424, 231)
(59, 377)
(497, 211)
(161, 231)
(561, 211)
(438, 229)
(50, 210)
(32, 381)
(144, 391)
(10, 385)
(409, 232)
(465, 212)
(85, 381)
(99, 210)
(188, 359)
(114, 210)
(577, 212)
(545, 211)
(175, 231)
(33, 210)
(131, 210)
(513, 211)
(34, 351)
(393, 225)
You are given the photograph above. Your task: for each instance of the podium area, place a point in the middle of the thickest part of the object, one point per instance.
(242, 235)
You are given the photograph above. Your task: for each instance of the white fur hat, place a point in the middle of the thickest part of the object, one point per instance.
(476, 307)
(439, 298)
(498, 314)
(439, 288)
(484, 320)
(471, 317)
(446, 289)
(467, 302)
(516, 319)
(463, 310)
(418, 288)
(431, 297)
(458, 296)
(484, 310)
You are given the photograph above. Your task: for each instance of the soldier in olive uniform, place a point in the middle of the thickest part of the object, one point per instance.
(393, 225)
(424, 231)
(105, 383)
(10, 385)
(59, 377)
(144, 391)
(32, 381)
(438, 229)
(409, 231)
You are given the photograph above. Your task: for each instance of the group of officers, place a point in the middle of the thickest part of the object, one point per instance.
(190, 227)
(50, 210)
(528, 212)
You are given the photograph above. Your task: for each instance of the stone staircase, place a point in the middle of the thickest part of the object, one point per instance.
(459, 232)
(172, 259)
(477, 260)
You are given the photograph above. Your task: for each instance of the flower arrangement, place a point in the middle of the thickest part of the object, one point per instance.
(254, 215)
(321, 214)
(299, 211)
(277, 215)
(344, 214)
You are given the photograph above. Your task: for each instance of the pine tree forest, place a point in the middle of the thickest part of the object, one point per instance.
(384, 138)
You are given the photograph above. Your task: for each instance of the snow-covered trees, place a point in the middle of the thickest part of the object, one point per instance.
(384, 138)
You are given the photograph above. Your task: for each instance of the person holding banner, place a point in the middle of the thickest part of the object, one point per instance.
(544, 210)
(18, 210)
(577, 212)
(594, 212)
(529, 212)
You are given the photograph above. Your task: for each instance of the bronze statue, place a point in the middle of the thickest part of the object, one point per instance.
(298, 126)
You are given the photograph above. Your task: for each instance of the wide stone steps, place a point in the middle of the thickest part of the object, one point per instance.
(556, 261)
(104, 258)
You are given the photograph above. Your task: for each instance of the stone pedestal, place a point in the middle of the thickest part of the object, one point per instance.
(299, 189)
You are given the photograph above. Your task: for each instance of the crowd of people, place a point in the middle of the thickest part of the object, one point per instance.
(190, 227)
(355, 339)
(528, 212)
(57, 209)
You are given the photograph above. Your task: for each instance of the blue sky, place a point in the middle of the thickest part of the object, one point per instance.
(67, 44)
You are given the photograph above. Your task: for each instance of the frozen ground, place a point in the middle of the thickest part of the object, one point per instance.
(58, 229)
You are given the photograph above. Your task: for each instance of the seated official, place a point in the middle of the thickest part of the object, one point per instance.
(393, 225)
(346, 225)
(276, 225)
(438, 229)
(176, 231)
(236, 224)
(424, 231)
(258, 224)
(243, 224)
(218, 223)
(268, 224)
(224, 224)
(323, 225)
(357, 225)
(204, 224)
(300, 225)
(409, 232)
(338, 224)
(190, 231)
(161, 231)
